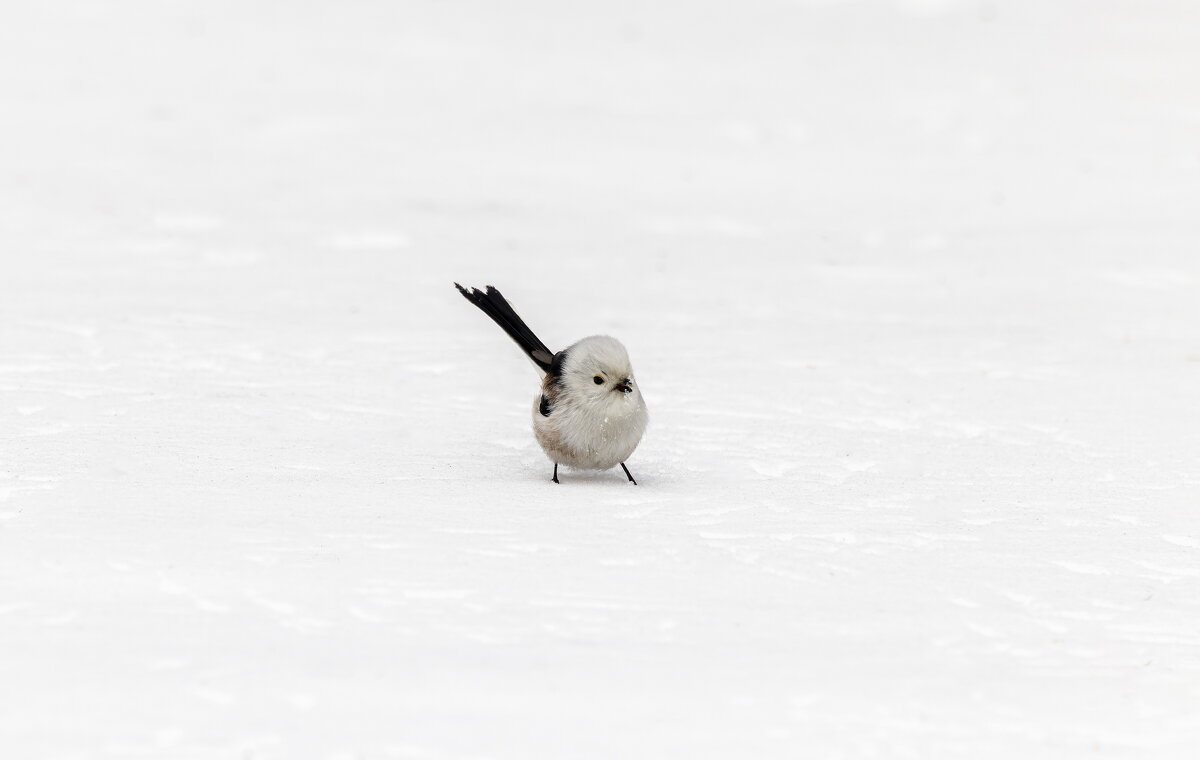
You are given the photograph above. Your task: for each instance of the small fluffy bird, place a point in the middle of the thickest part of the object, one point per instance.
(590, 414)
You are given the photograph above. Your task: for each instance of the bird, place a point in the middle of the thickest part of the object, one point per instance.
(590, 413)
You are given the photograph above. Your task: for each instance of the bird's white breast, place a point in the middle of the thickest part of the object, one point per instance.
(591, 436)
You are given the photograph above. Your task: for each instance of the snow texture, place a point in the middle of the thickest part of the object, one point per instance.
(911, 286)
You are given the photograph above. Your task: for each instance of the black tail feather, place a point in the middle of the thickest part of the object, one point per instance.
(490, 302)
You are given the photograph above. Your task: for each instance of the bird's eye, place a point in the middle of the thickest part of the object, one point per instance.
(598, 380)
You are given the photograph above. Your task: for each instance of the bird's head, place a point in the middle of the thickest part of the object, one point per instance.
(597, 370)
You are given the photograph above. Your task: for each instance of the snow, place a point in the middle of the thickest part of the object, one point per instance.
(911, 289)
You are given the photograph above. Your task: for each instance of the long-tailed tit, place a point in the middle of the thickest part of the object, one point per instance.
(590, 414)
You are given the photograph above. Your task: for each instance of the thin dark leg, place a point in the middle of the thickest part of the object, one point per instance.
(555, 478)
(626, 469)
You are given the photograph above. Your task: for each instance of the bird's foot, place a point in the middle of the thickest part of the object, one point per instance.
(626, 469)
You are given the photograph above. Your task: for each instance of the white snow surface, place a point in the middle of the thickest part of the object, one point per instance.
(911, 287)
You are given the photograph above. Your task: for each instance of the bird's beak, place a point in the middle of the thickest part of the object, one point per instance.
(625, 386)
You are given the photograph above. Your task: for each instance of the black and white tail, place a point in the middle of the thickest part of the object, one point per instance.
(490, 302)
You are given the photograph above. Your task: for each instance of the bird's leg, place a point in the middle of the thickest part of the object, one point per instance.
(626, 469)
(555, 478)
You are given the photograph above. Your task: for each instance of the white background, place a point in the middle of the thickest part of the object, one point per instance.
(911, 287)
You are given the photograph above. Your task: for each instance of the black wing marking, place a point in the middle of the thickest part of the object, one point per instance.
(553, 383)
(556, 365)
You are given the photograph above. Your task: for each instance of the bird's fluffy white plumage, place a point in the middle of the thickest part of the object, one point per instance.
(592, 426)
